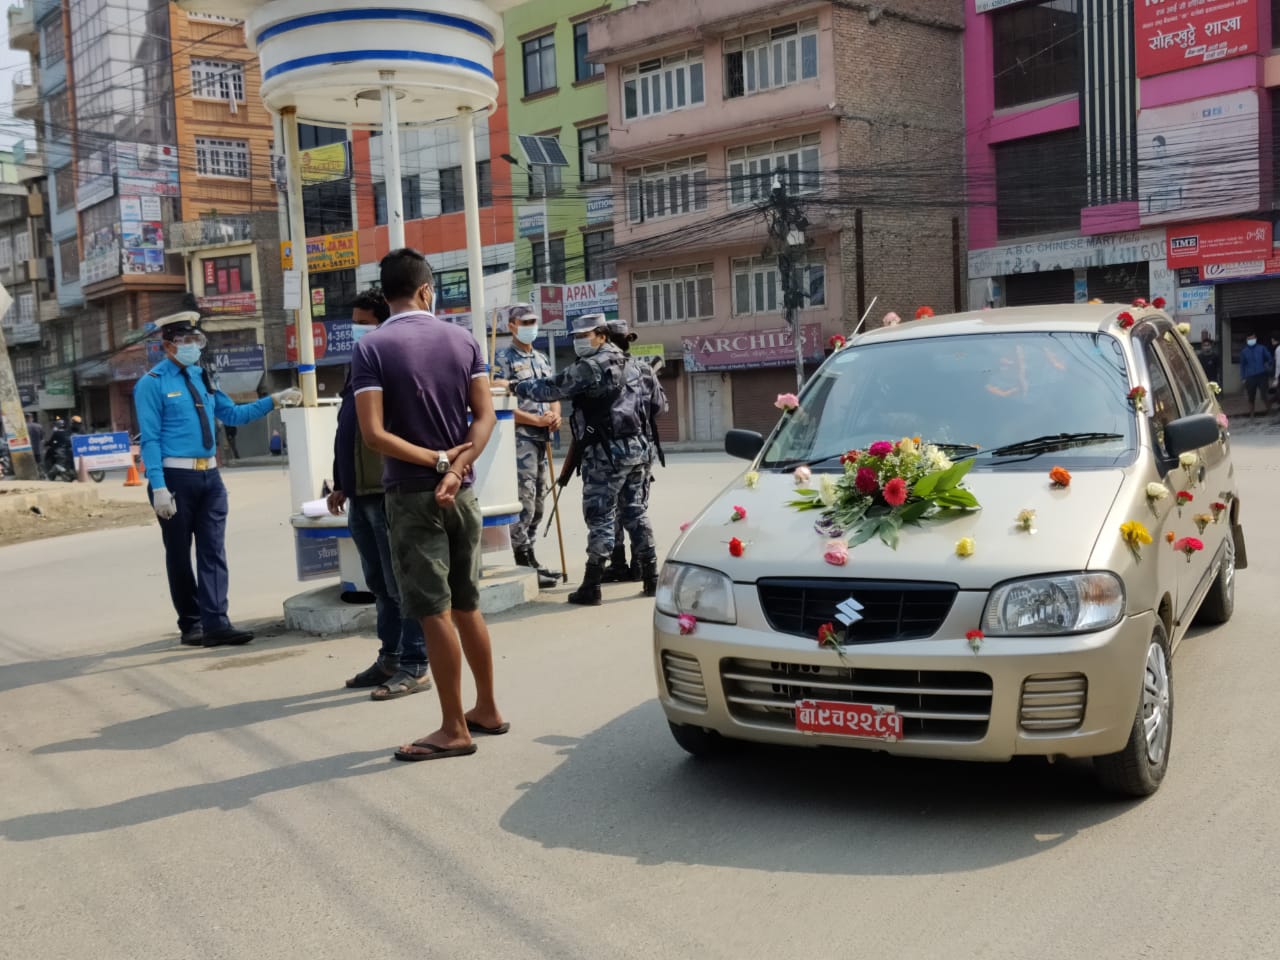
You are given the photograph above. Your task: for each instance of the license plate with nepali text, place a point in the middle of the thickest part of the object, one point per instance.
(864, 720)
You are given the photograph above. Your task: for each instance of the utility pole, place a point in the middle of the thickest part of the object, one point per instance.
(12, 419)
(787, 224)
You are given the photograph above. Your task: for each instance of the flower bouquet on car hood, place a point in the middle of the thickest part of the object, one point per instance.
(886, 487)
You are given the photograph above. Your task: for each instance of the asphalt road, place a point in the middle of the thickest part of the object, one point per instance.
(169, 803)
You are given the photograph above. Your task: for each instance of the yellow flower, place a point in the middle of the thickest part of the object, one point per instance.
(907, 445)
(752, 479)
(964, 547)
(1134, 534)
(1184, 329)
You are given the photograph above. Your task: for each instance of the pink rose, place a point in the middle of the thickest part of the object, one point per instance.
(891, 319)
(803, 475)
(836, 553)
(787, 401)
(866, 481)
(686, 525)
(687, 623)
(895, 492)
(881, 448)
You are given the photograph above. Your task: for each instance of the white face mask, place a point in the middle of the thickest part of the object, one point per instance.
(583, 346)
(1252, 341)
(358, 330)
(527, 334)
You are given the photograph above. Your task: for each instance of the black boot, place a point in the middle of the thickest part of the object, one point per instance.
(636, 569)
(617, 571)
(588, 593)
(525, 558)
(649, 574)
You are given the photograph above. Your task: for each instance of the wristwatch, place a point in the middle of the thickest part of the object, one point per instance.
(442, 464)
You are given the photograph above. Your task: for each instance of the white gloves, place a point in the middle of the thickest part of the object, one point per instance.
(164, 504)
(287, 398)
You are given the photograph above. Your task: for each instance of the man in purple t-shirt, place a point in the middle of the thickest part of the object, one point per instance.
(415, 378)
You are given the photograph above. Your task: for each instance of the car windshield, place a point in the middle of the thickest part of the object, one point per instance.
(1003, 398)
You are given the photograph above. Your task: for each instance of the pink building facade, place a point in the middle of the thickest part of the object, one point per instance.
(1116, 150)
(706, 104)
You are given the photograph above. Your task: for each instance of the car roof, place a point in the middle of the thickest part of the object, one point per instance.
(1042, 318)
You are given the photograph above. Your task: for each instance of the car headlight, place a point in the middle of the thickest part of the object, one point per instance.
(706, 594)
(1054, 605)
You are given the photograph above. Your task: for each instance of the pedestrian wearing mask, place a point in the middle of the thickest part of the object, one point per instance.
(178, 406)
(609, 435)
(1207, 354)
(654, 402)
(401, 667)
(1256, 368)
(534, 424)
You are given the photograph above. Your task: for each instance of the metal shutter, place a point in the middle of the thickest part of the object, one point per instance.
(1029, 289)
(1251, 298)
(1121, 283)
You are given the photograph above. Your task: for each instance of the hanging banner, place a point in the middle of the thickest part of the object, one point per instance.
(529, 221)
(325, 164)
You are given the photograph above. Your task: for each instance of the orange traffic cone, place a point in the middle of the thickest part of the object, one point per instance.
(131, 478)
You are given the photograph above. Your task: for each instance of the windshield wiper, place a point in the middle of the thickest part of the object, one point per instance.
(1052, 441)
(802, 461)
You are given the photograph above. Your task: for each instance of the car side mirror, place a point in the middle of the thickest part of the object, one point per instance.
(1191, 433)
(743, 444)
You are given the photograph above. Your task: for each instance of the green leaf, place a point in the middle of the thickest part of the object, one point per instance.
(862, 532)
(888, 531)
(806, 492)
(951, 477)
(925, 485)
(913, 513)
(807, 504)
(958, 499)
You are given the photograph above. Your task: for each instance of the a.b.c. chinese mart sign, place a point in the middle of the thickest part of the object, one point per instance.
(1219, 241)
(1176, 34)
(337, 251)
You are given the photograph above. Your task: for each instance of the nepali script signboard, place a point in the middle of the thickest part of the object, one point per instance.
(1174, 34)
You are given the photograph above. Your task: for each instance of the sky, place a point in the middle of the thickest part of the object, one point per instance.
(11, 61)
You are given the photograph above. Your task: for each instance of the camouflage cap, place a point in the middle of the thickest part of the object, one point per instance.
(590, 322)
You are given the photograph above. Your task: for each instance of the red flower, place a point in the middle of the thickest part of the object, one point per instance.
(1184, 496)
(924, 312)
(1189, 545)
(849, 456)
(895, 492)
(739, 513)
(1140, 302)
(827, 636)
(835, 342)
(1217, 507)
(1125, 320)
(1158, 303)
(866, 481)
(974, 635)
(881, 448)
(736, 547)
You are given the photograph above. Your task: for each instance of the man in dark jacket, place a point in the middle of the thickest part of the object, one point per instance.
(401, 667)
(1256, 369)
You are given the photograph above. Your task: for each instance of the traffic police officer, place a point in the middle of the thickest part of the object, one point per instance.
(176, 404)
(534, 423)
(609, 433)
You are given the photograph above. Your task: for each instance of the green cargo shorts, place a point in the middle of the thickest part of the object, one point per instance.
(435, 552)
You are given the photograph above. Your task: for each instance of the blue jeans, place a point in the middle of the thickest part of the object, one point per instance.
(200, 599)
(403, 647)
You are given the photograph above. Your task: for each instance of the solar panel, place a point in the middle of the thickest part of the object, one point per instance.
(555, 156)
(532, 147)
(543, 151)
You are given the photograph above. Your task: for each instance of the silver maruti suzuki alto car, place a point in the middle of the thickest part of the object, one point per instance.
(1032, 609)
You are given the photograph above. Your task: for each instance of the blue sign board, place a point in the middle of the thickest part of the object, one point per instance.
(102, 451)
(315, 554)
(220, 359)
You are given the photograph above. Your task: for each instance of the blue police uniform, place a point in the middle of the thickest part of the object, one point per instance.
(178, 453)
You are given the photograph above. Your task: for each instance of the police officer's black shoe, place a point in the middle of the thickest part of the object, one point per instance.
(649, 574)
(525, 558)
(617, 571)
(588, 593)
(193, 636)
(230, 637)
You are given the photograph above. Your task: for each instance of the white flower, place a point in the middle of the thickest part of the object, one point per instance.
(1184, 329)
(936, 459)
(1157, 491)
(827, 491)
(1214, 386)
(1188, 460)
(802, 476)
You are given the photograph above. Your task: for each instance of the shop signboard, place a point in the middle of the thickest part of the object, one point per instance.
(332, 340)
(653, 354)
(529, 221)
(337, 251)
(548, 301)
(1219, 241)
(1174, 34)
(750, 348)
(1070, 253)
(594, 296)
(599, 207)
(325, 164)
(229, 304)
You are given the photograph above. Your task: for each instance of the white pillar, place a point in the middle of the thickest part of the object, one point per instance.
(298, 237)
(391, 162)
(471, 206)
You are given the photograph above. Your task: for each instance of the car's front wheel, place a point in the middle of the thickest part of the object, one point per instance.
(1138, 769)
(699, 742)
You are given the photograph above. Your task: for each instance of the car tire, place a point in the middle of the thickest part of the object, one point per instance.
(699, 742)
(1220, 602)
(1139, 769)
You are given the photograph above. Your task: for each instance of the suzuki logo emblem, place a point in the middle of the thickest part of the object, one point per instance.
(849, 612)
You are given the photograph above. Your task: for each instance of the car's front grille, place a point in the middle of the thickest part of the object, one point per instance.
(1053, 702)
(683, 675)
(935, 704)
(891, 610)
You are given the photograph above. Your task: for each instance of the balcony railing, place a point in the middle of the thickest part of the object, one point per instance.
(26, 94)
(22, 28)
(209, 232)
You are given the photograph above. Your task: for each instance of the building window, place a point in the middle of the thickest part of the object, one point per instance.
(597, 255)
(339, 290)
(540, 64)
(69, 260)
(667, 189)
(6, 253)
(680, 293)
(311, 136)
(24, 368)
(326, 208)
(222, 158)
(1037, 51)
(557, 261)
(592, 140)
(583, 69)
(228, 275)
(64, 184)
(1275, 24)
(770, 59)
(751, 168)
(662, 85)
(59, 114)
(410, 193)
(217, 80)
(1023, 167)
(451, 187)
(453, 292)
(21, 246)
(52, 46)
(757, 286)
(545, 181)
(26, 308)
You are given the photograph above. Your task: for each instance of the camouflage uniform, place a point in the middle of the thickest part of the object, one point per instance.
(655, 399)
(615, 454)
(513, 364)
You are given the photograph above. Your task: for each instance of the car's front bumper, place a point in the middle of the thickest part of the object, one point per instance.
(1071, 696)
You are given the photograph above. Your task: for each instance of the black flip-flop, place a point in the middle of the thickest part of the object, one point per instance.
(497, 731)
(434, 752)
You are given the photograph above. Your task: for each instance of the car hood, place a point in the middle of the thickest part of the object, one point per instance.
(781, 541)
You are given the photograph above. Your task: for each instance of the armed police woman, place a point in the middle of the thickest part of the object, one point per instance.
(177, 403)
(609, 433)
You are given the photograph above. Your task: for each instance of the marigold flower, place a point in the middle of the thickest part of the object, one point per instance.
(895, 492)
(736, 547)
(687, 623)
(802, 476)
(836, 553)
(881, 449)
(866, 481)
(964, 547)
(1170, 537)
(787, 401)
(1060, 477)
